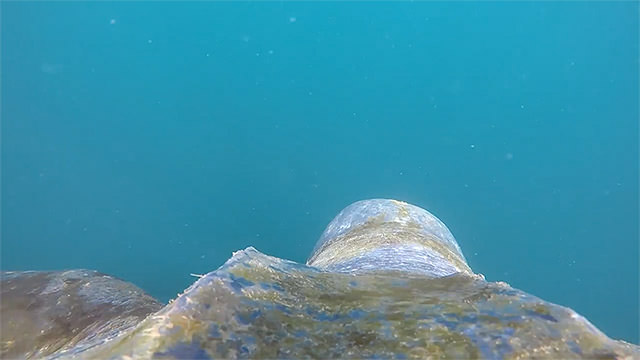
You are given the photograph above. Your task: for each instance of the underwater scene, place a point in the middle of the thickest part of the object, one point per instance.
(319, 180)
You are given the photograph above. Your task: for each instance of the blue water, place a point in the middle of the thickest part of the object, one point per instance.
(151, 140)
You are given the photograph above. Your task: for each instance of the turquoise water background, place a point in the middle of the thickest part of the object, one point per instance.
(151, 140)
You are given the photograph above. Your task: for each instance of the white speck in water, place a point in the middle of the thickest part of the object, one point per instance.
(270, 52)
(149, 41)
(473, 146)
(257, 54)
(257, 235)
(292, 19)
(466, 185)
(310, 93)
(475, 254)
(508, 156)
(401, 173)
(201, 256)
(207, 54)
(112, 21)
(521, 106)
(186, 225)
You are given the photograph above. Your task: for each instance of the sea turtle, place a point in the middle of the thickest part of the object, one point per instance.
(385, 280)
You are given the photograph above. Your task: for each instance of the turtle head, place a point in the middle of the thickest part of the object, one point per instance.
(387, 235)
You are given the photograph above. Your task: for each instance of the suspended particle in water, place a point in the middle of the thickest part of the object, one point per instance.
(292, 19)
(112, 21)
(508, 156)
